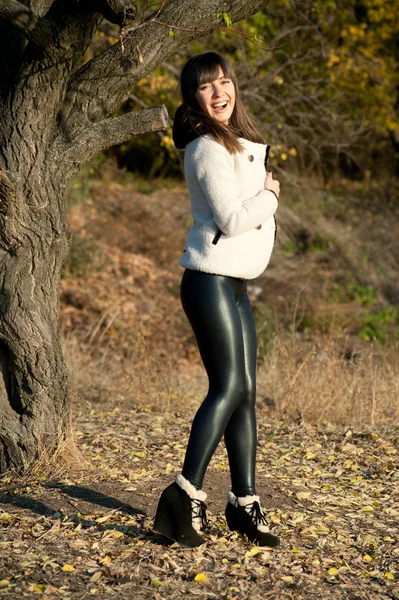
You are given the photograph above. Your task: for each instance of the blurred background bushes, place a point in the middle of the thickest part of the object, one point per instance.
(319, 76)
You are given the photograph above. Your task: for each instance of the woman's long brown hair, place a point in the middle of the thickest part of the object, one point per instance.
(203, 68)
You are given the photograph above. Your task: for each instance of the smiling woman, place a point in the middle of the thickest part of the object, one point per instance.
(233, 202)
(217, 98)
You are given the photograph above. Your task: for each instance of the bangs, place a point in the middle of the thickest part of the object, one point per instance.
(209, 70)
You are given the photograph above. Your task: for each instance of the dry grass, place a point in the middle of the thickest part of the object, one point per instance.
(299, 380)
(55, 461)
(316, 381)
(127, 341)
(100, 374)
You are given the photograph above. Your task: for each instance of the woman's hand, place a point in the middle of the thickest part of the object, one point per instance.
(272, 184)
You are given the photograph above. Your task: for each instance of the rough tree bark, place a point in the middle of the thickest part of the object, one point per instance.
(55, 114)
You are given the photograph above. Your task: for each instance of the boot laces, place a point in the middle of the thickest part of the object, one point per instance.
(198, 512)
(256, 513)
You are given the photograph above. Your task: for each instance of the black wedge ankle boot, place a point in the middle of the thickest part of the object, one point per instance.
(245, 515)
(181, 512)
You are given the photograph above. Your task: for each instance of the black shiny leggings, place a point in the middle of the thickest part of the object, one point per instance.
(220, 314)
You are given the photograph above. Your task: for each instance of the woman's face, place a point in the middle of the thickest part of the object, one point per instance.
(217, 98)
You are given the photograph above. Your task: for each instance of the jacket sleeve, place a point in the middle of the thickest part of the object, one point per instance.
(214, 168)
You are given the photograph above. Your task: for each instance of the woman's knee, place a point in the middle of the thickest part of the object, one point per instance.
(232, 393)
(249, 395)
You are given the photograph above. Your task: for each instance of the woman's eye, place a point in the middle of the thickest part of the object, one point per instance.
(226, 81)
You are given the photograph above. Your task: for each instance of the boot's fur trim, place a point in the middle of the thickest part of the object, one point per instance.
(194, 494)
(231, 498)
(190, 489)
(244, 501)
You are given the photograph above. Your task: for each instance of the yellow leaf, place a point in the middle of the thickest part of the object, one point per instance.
(117, 534)
(103, 519)
(389, 575)
(140, 454)
(68, 568)
(106, 561)
(225, 561)
(39, 588)
(156, 582)
(333, 571)
(287, 579)
(298, 519)
(295, 550)
(309, 455)
(4, 583)
(253, 552)
(367, 558)
(201, 577)
(303, 495)
(366, 509)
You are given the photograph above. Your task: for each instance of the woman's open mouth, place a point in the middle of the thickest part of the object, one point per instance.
(220, 107)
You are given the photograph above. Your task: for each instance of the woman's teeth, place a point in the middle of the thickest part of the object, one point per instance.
(221, 105)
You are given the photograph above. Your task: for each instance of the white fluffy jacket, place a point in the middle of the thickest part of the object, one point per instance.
(227, 193)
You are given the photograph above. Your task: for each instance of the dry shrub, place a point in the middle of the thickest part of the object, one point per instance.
(54, 461)
(314, 383)
(99, 374)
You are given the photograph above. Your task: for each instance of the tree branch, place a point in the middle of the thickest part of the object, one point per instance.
(116, 130)
(36, 29)
(98, 88)
(119, 12)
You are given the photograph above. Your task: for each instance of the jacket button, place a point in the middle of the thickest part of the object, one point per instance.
(258, 227)
(251, 158)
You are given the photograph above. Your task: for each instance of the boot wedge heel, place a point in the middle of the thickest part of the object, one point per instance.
(176, 517)
(163, 522)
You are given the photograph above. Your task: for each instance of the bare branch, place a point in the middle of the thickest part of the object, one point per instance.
(99, 86)
(116, 130)
(36, 29)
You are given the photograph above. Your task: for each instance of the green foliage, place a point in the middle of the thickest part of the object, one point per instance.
(80, 188)
(144, 188)
(381, 326)
(224, 16)
(83, 254)
(319, 76)
(265, 327)
(304, 242)
(348, 290)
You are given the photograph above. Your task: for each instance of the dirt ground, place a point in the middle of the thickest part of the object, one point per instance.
(332, 495)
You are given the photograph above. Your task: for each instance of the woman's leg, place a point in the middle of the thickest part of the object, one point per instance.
(240, 435)
(209, 302)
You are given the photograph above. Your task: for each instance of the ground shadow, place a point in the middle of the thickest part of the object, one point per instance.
(55, 506)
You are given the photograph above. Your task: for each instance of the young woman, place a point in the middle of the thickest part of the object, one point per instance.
(233, 201)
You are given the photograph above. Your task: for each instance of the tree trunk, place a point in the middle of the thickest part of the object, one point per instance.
(33, 377)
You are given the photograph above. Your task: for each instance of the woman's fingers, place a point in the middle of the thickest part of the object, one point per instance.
(272, 184)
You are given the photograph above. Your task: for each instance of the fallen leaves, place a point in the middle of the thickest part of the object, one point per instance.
(336, 514)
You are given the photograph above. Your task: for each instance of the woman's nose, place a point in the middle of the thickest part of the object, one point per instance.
(217, 90)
